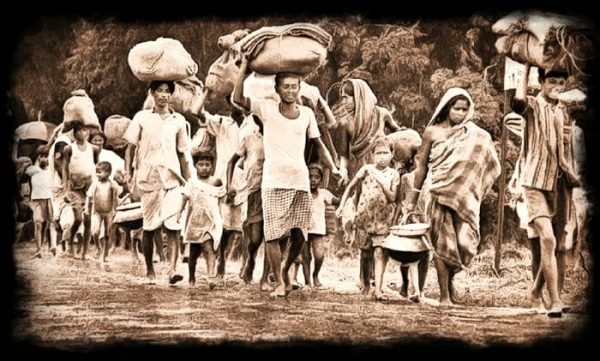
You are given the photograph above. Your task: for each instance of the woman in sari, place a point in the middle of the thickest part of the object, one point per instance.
(457, 165)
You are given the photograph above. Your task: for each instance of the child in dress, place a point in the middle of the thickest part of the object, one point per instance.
(203, 224)
(375, 211)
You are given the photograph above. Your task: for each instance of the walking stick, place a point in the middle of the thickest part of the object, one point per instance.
(501, 190)
(511, 68)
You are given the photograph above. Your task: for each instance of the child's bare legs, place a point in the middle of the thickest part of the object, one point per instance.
(366, 258)
(380, 260)
(111, 234)
(195, 251)
(96, 225)
(306, 258)
(209, 256)
(39, 230)
(404, 273)
(318, 249)
(55, 235)
(414, 281)
(221, 256)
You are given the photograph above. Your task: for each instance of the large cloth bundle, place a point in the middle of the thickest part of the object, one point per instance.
(161, 59)
(545, 40)
(187, 97)
(297, 48)
(36, 130)
(79, 109)
(115, 126)
(406, 144)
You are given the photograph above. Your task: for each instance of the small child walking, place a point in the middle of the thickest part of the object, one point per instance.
(317, 231)
(203, 224)
(41, 195)
(102, 200)
(375, 211)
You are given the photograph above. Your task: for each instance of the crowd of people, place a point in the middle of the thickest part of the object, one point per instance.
(258, 181)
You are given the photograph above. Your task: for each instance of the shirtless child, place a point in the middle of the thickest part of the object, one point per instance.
(101, 204)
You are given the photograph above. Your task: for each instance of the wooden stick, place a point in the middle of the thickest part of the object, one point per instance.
(501, 189)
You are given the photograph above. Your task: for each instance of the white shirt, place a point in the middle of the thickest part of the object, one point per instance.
(41, 182)
(284, 142)
(320, 198)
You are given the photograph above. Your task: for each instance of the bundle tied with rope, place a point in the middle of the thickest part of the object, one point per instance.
(545, 40)
(299, 48)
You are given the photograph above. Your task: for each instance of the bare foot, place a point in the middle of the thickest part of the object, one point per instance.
(446, 302)
(380, 296)
(192, 282)
(265, 287)
(278, 292)
(151, 277)
(365, 290)
(174, 278)
(537, 304)
(211, 284)
(415, 298)
(316, 282)
(555, 311)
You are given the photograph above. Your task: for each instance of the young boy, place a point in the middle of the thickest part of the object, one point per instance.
(317, 230)
(79, 166)
(203, 224)
(41, 194)
(101, 203)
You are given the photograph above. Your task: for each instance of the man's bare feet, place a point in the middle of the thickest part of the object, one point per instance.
(174, 278)
(316, 282)
(555, 311)
(380, 296)
(446, 302)
(265, 287)
(279, 291)
(151, 277)
(537, 304)
(415, 298)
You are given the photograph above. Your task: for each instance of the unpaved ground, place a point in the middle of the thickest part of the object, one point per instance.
(65, 302)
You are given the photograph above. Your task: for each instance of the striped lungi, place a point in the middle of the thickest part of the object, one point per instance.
(284, 209)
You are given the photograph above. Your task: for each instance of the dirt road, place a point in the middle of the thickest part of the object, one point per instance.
(69, 302)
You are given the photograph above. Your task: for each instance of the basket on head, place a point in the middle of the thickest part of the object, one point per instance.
(115, 126)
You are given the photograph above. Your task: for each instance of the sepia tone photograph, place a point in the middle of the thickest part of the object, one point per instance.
(337, 181)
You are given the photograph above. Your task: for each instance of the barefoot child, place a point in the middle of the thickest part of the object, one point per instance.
(102, 198)
(203, 224)
(375, 210)
(317, 230)
(41, 194)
